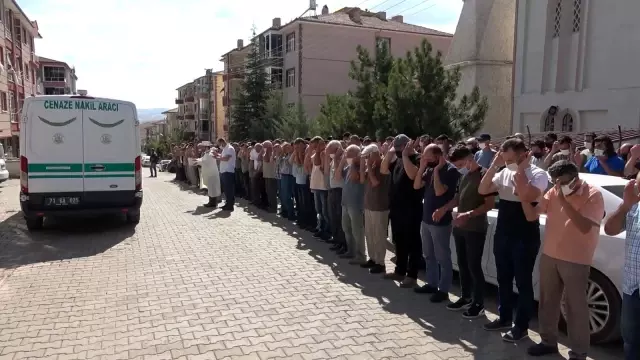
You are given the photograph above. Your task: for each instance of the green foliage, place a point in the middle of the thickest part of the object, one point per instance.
(249, 105)
(413, 95)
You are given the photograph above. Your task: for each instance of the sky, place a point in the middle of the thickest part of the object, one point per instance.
(142, 50)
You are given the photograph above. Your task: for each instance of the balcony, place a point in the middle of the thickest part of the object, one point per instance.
(179, 101)
(189, 99)
(180, 117)
(190, 117)
(204, 95)
(204, 115)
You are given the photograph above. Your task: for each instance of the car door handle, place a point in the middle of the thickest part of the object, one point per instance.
(97, 167)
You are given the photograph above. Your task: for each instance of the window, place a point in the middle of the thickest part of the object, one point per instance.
(2, 55)
(549, 123)
(4, 105)
(205, 125)
(291, 42)
(577, 15)
(381, 42)
(24, 36)
(17, 31)
(27, 73)
(567, 123)
(276, 78)
(12, 102)
(53, 73)
(291, 77)
(557, 19)
(53, 91)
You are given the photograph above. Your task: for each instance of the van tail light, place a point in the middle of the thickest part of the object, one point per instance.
(24, 175)
(138, 169)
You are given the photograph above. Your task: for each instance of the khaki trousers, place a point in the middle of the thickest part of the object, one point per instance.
(558, 277)
(376, 227)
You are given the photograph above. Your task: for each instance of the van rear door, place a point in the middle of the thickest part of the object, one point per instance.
(54, 145)
(109, 147)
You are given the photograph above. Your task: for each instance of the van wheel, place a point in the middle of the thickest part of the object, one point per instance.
(133, 218)
(34, 223)
(605, 307)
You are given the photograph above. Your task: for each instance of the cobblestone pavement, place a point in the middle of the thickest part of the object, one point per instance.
(192, 284)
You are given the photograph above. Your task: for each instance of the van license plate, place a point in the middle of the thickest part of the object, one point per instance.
(62, 201)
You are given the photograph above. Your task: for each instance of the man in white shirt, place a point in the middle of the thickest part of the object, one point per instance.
(227, 173)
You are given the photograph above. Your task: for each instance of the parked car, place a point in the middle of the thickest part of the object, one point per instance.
(4, 173)
(146, 160)
(604, 292)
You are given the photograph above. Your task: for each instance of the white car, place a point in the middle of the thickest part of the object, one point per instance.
(146, 160)
(604, 292)
(4, 173)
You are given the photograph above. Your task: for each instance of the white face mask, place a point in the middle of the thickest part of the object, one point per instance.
(598, 152)
(332, 156)
(349, 162)
(564, 152)
(463, 171)
(587, 145)
(482, 145)
(566, 189)
(512, 166)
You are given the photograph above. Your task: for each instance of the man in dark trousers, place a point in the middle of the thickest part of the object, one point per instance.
(153, 166)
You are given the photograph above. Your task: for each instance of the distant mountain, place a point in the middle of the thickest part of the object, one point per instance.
(146, 115)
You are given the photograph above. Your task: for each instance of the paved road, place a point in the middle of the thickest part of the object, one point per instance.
(191, 284)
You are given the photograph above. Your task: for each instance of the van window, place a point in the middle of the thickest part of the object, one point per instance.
(616, 190)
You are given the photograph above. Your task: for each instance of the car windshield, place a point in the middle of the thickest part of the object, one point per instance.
(616, 190)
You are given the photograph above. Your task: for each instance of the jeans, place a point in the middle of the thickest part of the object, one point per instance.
(469, 249)
(287, 188)
(515, 257)
(153, 169)
(271, 189)
(302, 205)
(246, 184)
(405, 232)
(436, 248)
(353, 226)
(335, 216)
(631, 325)
(320, 198)
(228, 183)
(238, 181)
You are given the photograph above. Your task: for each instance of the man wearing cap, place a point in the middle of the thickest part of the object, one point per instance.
(405, 209)
(472, 144)
(484, 157)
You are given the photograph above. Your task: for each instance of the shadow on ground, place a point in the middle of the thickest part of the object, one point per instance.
(61, 239)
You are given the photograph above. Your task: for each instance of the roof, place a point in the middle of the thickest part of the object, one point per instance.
(370, 20)
(171, 111)
(627, 134)
(43, 59)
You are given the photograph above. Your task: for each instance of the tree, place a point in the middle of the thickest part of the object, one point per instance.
(413, 95)
(296, 124)
(249, 105)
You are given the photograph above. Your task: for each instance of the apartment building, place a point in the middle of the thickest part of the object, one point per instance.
(199, 105)
(219, 108)
(171, 119)
(57, 77)
(310, 57)
(234, 64)
(18, 68)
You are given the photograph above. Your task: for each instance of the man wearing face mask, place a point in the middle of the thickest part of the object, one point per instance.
(469, 232)
(516, 239)
(538, 153)
(587, 153)
(485, 156)
(605, 160)
(550, 139)
(574, 211)
(623, 152)
(560, 150)
(439, 178)
(405, 205)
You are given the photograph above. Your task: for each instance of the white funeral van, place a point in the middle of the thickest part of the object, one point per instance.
(79, 155)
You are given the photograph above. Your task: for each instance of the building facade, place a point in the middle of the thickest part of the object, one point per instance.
(234, 64)
(171, 119)
(310, 57)
(57, 77)
(18, 68)
(576, 66)
(198, 104)
(219, 111)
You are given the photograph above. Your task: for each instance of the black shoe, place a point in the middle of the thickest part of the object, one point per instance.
(377, 269)
(342, 251)
(326, 238)
(210, 205)
(439, 297)
(474, 311)
(515, 335)
(368, 265)
(426, 289)
(336, 247)
(227, 208)
(461, 304)
(542, 350)
(317, 234)
(497, 325)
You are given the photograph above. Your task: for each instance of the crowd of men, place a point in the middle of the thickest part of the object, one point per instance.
(347, 191)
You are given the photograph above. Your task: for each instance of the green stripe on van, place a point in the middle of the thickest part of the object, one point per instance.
(57, 168)
(110, 167)
(92, 176)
